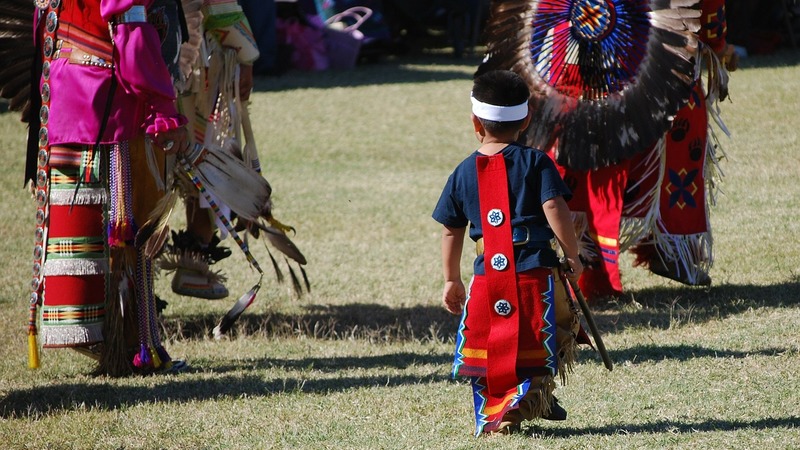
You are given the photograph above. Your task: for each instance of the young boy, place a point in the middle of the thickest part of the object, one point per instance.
(518, 328)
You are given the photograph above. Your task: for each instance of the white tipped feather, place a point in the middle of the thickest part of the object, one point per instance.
(238, 308)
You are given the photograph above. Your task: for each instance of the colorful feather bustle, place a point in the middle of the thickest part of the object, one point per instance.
(606, 78)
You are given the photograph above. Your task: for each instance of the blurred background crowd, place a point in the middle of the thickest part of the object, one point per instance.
(295, 34)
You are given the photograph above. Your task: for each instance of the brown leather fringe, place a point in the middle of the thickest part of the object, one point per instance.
(116, 358)
(537, 402)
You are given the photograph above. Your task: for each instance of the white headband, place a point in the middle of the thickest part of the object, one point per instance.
(499, 113)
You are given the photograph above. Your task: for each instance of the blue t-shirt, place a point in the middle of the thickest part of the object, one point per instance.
(532, 178)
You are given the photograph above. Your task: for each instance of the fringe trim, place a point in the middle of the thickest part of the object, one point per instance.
(538, 400)
(690, 254)
(567, 357)
(586, 247)
(169, 262)
(635, 228)
(121, 227)
(716, 86)
(716, 91)
(120, 313)
(78, 267)
(713, 172)
(223, 123)
(84, 196)
(71, 335)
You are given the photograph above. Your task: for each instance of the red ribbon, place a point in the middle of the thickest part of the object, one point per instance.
(503, 341)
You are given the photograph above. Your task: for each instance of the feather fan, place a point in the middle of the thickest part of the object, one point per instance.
(227, 177)
(274, 231)
(606, 76)
(281, 241)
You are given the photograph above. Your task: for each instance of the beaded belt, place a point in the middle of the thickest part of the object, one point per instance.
(520, 236)
(76, 55)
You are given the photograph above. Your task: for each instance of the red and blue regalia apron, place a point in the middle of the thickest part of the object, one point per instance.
(507, 337)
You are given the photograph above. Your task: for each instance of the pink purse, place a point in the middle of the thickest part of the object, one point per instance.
(344, 41)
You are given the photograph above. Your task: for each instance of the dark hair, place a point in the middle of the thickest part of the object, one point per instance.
(500, 88)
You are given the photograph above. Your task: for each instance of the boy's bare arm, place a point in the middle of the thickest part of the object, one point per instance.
(454, 294)
(558, 216)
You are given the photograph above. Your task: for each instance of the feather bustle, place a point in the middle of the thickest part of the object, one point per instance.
(597, 133)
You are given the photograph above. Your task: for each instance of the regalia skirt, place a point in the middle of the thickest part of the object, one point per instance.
(96, 286)
(548, 327)
(76, 262)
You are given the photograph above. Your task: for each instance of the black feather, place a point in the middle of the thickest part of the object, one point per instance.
(238, 308)
(298, 289)
(278, 272)
(17, 53)
(305, 279)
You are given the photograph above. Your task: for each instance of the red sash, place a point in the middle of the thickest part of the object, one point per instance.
(502, 345)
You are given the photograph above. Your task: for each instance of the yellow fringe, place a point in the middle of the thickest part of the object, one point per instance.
(33, 351)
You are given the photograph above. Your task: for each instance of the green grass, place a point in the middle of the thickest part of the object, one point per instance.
(357, 160)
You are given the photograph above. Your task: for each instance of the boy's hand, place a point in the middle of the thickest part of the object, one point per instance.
(573, 267)
(454, 296)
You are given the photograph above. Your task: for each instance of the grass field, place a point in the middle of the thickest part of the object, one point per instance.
(357, 160)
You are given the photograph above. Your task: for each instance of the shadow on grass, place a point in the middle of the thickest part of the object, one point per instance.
(662, 308)
(664, 426)
(654, 353)
(658, 308)
(355, 321)
(59, 398)
(333, 365)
